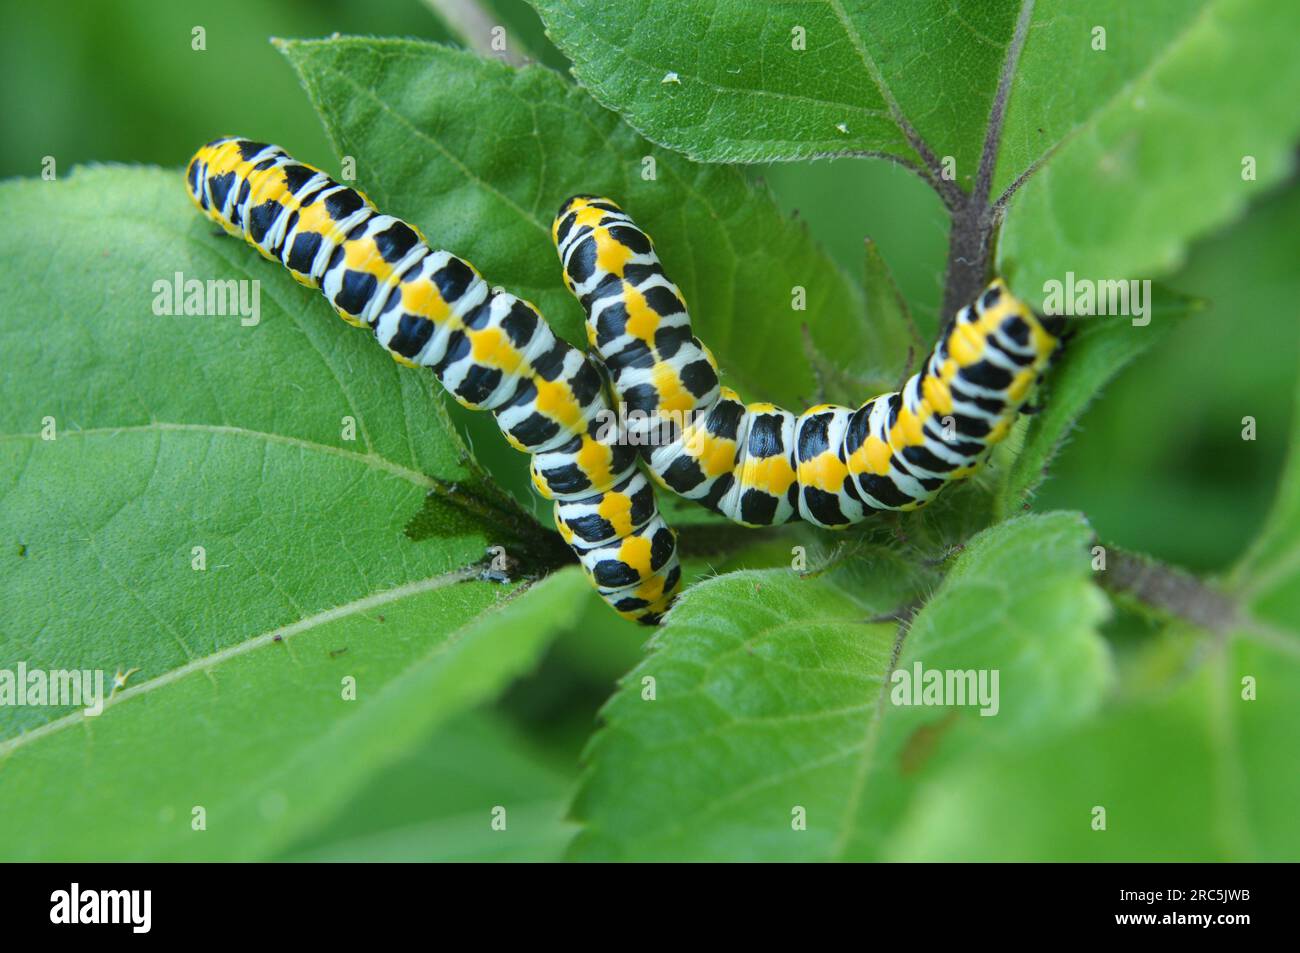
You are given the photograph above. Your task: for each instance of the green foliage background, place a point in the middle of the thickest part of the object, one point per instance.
(183, 431)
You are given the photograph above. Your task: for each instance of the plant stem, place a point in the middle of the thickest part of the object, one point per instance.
(1169, 590)
(470, 20)
(970, 254)
(974, 219)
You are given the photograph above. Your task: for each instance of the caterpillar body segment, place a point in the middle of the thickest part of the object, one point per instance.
(490, 349)
(758, 464)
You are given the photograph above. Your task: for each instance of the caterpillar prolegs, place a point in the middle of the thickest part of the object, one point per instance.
(491, 350)
(758, 464)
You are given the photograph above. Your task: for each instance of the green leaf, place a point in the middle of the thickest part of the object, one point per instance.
(1201, 775)
(436, 804)
(1063, 80)
(179, 431)
(1203, 772)
(1141, 132)
(771, 693)
(1144, 161)
(259, 736)
(1095, 355)
(744, 92)
(481, 156)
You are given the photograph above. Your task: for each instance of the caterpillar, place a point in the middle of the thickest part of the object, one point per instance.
(758, 464)
(491, 350)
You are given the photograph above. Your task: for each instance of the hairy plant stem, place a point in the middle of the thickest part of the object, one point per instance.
(975, 219)
(972, 242)
(1169, 590)
(970, 255)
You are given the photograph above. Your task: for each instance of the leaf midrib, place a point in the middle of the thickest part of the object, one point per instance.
(370, 459)
(207, 662)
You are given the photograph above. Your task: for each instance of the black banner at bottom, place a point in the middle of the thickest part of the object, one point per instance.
(336, 902)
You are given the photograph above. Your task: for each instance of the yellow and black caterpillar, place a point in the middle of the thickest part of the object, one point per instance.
(491, 350)
(758, 464)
